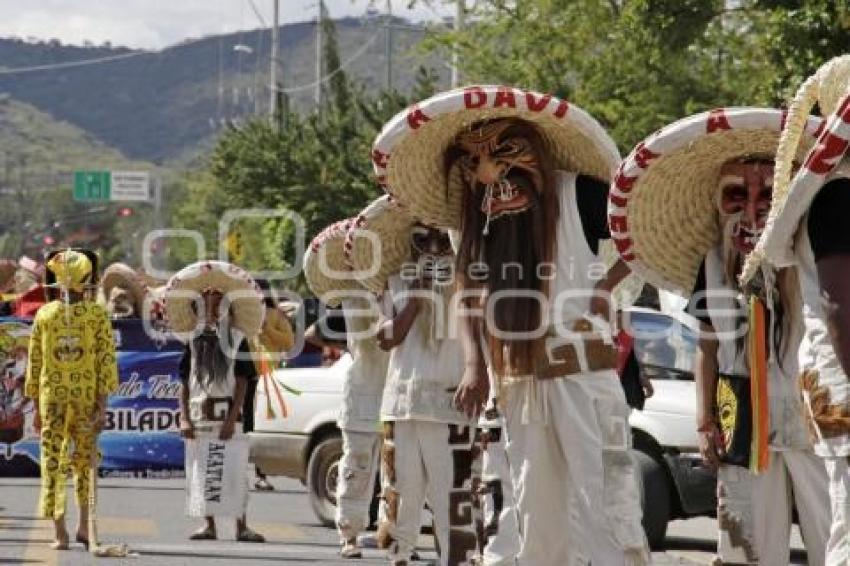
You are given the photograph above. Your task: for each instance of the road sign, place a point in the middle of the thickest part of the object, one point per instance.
(116, 186)
(130, 186)
(92, 185)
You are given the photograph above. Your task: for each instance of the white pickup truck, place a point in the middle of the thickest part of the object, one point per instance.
(307, 444)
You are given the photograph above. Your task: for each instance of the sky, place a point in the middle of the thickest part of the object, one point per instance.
(154, 24)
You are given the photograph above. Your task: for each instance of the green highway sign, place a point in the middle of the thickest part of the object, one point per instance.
(92, 186)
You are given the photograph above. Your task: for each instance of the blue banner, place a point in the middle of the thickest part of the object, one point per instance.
(141, 435)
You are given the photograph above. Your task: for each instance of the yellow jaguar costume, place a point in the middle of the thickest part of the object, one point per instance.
(72, 363)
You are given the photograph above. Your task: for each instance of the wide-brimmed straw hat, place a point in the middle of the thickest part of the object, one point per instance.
(122, 276)
(238, 287)
(325, 268)
(385, 222)
(662, 205)
(408, 154)
(829, 87)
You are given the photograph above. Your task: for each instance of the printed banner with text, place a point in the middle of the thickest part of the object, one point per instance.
(141, 435)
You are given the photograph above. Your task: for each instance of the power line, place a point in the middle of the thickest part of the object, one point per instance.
(257, 13)
(108, 58)
(357, 54)
(69, 64)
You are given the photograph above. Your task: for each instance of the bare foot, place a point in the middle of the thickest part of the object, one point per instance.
(60, 539)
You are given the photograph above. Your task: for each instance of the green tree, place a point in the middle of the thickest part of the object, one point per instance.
(317, 166)
(639, 64)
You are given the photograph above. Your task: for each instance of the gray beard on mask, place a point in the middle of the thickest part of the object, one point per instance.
(210, 362)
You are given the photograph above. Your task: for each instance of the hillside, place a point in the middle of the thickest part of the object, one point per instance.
(159, 106)
(37, 157)
(35, 140)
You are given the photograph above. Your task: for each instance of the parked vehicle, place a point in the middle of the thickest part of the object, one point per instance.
(307, 444)
(675, 483)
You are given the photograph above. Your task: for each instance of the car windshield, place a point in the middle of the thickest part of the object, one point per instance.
(663, 343)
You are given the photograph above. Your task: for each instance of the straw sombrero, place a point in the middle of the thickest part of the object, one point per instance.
(408, 153)
(235, 283)
(276, 335)
(662, 204)
(325, 268)
(122, 276)
(388, 224)
(829, 87)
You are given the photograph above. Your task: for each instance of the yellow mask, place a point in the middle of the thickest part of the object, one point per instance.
(72, 269)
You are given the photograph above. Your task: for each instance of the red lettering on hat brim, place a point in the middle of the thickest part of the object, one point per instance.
(474, 97)
(826, 154)
(717, 120)
(643, 155)
(416, 118)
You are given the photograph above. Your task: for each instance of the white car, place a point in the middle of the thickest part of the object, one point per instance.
(307, 444)
(675, 483)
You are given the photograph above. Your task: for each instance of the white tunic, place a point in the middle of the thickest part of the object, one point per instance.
(727, 310)
(219, 390)
(817, 355)
(424, 372)
(577, 268)
(366, 376)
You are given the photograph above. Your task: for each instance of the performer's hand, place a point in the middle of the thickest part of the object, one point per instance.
(471, 395)
(227, 429)
(187, 431)
(648, 388)
(383, 335)
(98, 419)
(710, 445)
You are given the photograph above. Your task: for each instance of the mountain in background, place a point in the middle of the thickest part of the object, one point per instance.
(160, 106)
(37, 157)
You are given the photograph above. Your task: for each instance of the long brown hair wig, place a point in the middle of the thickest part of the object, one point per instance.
(515, 245)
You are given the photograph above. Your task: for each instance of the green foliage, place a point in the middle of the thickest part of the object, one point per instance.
(38, 155)
(794, 38)
(639, 64)
(317, 166)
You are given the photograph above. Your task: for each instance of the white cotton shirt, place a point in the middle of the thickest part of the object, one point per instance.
(817, 353)
(366, 376)
(424, 372)
(577, 268)
(787, 422)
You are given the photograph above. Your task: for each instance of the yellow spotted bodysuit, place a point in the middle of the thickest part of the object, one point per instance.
(72, 362)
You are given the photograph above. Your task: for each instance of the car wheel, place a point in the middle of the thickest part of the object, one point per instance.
(655, 498)
(322, 474)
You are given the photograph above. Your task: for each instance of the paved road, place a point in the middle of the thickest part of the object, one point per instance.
(148, 515)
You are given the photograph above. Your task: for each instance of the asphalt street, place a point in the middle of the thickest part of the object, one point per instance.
(148, 516)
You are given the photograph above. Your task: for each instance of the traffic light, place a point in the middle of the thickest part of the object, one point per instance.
(125, 211)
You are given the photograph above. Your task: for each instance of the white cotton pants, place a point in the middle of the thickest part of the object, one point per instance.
(434, 460)
(356, 482)
(755, 511)
(568, 446)
(838, 547)
(501, 532)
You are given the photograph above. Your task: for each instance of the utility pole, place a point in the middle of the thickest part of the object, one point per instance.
(460, 14)
(274, 59)
(319, 56)
(388, 45)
